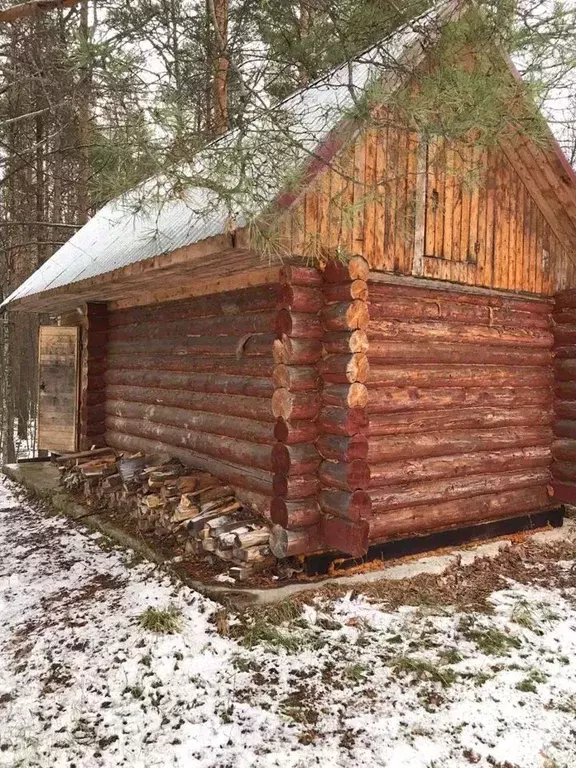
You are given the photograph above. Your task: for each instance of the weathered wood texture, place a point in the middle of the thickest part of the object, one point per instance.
(194, 377)
(475, 216)
(459, 407)
(94, 336)
(564, 447)
(58, 388)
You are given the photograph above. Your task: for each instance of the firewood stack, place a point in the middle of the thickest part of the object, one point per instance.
(188, 507)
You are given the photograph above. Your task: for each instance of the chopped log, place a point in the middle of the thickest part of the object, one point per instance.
(294, 406)
(346, 395)
(293, 515)
(253, 554)
(458, 418)
(297, 351)
(347, 476)
(411, 470)
(187, 483)
(478, 509)
(439, 352)
(299, 459)
(346, 536)
(343, 448)
(295, 486)
(298, 325)
(346, 316)
(355, 268)
(153, 501)
(342, 369)
(214, 493)
(437, 491)
(73, 457)
(342, 421)
(285, 543)
(346, 292)
(296, 378)
(351, 506)
(217, 505)
(292, 432)
(183, 514)
(394, 399)
(193, 382)
(299, 298)
(252, 538)
(345, 342)
(458, 376)
(393, 448)
(293, 274)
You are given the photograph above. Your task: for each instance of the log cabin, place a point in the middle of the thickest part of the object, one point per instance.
(408, 365)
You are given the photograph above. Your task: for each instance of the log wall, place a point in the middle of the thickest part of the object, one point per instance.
(193, 378)
(94, 336)
(564, 448)
(460, 408)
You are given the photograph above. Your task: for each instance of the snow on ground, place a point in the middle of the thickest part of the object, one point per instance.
(345, 682)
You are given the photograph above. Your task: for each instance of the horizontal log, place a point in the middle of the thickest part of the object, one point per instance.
(228, 449)
(298, 325)
(347, 476)
(346, 536)
(346, 292)
(299, 459)
(565, 370)
(297, 351)
(438, 491)
(217, 325)
(296, 378)
(342, 448)
(199, 421)
(566, 316)
(565, 409)
(292, 487)
(458, 465)
(564, 449)
(300, 298)
(232, 366)
(345, 342)
(345, 316)
(258, 344)
(387, 292)
(410, 521)
(565, 428)
(565, 390)
(564, 470)
(392, 400)
(285, 543)
(439, 352)
(564, 492)
(564, 335)
(229, 303)
(93, 396)
(393, 448)
(292, 432)
(458, 376)
(346, 395)
(565, 299)
(197, 382)
(464, 418)
(293, 515)
(246, 478)
(337, 271)
(255, 408)
(295, 405)
(425, 309)
(342, 421)
(459, 332)
(294, 274)
(567, 351)
(354, 505)
(340, 369)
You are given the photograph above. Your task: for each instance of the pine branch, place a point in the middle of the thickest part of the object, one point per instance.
(34, 8)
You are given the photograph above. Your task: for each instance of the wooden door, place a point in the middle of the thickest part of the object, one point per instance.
(58, 388)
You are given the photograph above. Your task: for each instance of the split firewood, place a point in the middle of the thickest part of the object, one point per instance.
(253, 554)
(252, 538)
(186, 484)
(182, 514)
(152, 501)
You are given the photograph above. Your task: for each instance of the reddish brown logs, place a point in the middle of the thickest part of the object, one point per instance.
(239, 325)
(215, 346)
(297, 351)
(565, 390)
(295, 486)
(464, 418)
(298, 325)
(293, 515)
(347, 476)
(351, 506)
(217, 424)
(564, 450)
(346, 316)
(392, 400)
(565, 370)
(478, 509)
(382, 449)
(564, 491)
(196, 382)
(285, 543)
(345, 342)
(258, 409)
(458, 376)
(355, 268)
(342, 421)
(343, 448)
(437, 491)
(357, 289)
(346, 536)
(234, 366)
(458, 465)
(564, 470)
(295, 405)
(298, 298)
(439, 352)
(565, 428)
(300, 459)
(342, 369)
(291, 432)
(296, 378)
(294, 274)
(566, 410)
(346, 395)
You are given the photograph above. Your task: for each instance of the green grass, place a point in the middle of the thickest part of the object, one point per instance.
(423, 669)
(492, 642)
(162, 621)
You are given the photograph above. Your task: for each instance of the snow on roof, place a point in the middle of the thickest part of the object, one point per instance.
(267, 151)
